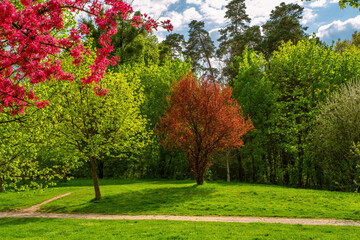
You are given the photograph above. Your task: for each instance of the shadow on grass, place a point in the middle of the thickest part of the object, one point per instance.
(105, 182)
(17, 221)
(89, 182)
(140, 202)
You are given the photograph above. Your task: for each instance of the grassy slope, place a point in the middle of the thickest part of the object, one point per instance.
(19, 200)
(117, 229)
(184, 198)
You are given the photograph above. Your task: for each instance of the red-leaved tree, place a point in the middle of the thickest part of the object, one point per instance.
(202, 119)
(30, 47)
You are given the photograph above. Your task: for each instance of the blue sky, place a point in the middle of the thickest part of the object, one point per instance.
(323, 17)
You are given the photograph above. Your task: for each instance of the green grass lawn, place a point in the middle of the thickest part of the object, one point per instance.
(33, 228)
(18, 200)
(185, 198)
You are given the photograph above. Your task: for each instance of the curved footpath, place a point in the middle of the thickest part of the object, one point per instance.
(31, 213)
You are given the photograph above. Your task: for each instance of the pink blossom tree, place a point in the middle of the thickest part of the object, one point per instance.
(29, 50)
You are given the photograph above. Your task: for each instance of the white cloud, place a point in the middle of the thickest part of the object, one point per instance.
(337, 26)
(318, 3)
(259, 11)
(181, 20)
(196, 2)
(308, 16)
(214, 15)
(219, 4)
(214, 30)
(191, 14)
(160, 36)
(259, 20)
(154, 8)
(213, 11)
(176, 19)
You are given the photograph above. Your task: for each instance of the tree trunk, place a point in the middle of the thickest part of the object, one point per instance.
(200, 170)
(2, 188)
(95, 178)
(300, 172)
(300, 161)
(207, 59)
(272, 174)
(199, 179)
(101, 169)
(241, 169)
(227, 166)
(253, 169)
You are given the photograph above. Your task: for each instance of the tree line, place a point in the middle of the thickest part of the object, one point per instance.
(283, 79)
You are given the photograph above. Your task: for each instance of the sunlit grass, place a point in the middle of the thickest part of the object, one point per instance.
(35, 228)
(186, 198)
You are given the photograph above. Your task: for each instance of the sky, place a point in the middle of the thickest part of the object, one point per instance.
(323, 17)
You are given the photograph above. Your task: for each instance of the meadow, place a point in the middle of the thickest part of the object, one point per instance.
(135, 197)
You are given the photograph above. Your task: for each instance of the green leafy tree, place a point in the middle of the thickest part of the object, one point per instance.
(336, 130)
(343, 3)
(97, 125)
(235, 36)
(255, 95)
(200, 48)
(131, 44)
(352, 3)
(342, 45)
(24, 142)
(156, 82)
(283, 26)
(303, 75)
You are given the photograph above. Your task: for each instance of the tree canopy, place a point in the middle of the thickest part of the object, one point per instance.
(283, 26)
(202, 119)
(29, 51)
(97, 121)
(200, 48)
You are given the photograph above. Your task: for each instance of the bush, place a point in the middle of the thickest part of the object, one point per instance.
(336, 130)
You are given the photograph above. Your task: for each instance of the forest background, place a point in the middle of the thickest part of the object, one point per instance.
(301, 94)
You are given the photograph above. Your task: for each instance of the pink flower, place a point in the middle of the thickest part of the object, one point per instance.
(100, 91)
(41, 104)
(31, 95)
(35, 53)
(136, 21)
(114, 60)
(83, 29)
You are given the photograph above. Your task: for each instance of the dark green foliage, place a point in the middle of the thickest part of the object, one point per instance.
(200, 49)
(122, 40)
(235, 36)
(132, 45)
(175, 42)
(256, 97)
(283, 26)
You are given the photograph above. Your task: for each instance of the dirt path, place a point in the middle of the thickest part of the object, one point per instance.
(31, 213)
(36, 207)
(334, 222)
